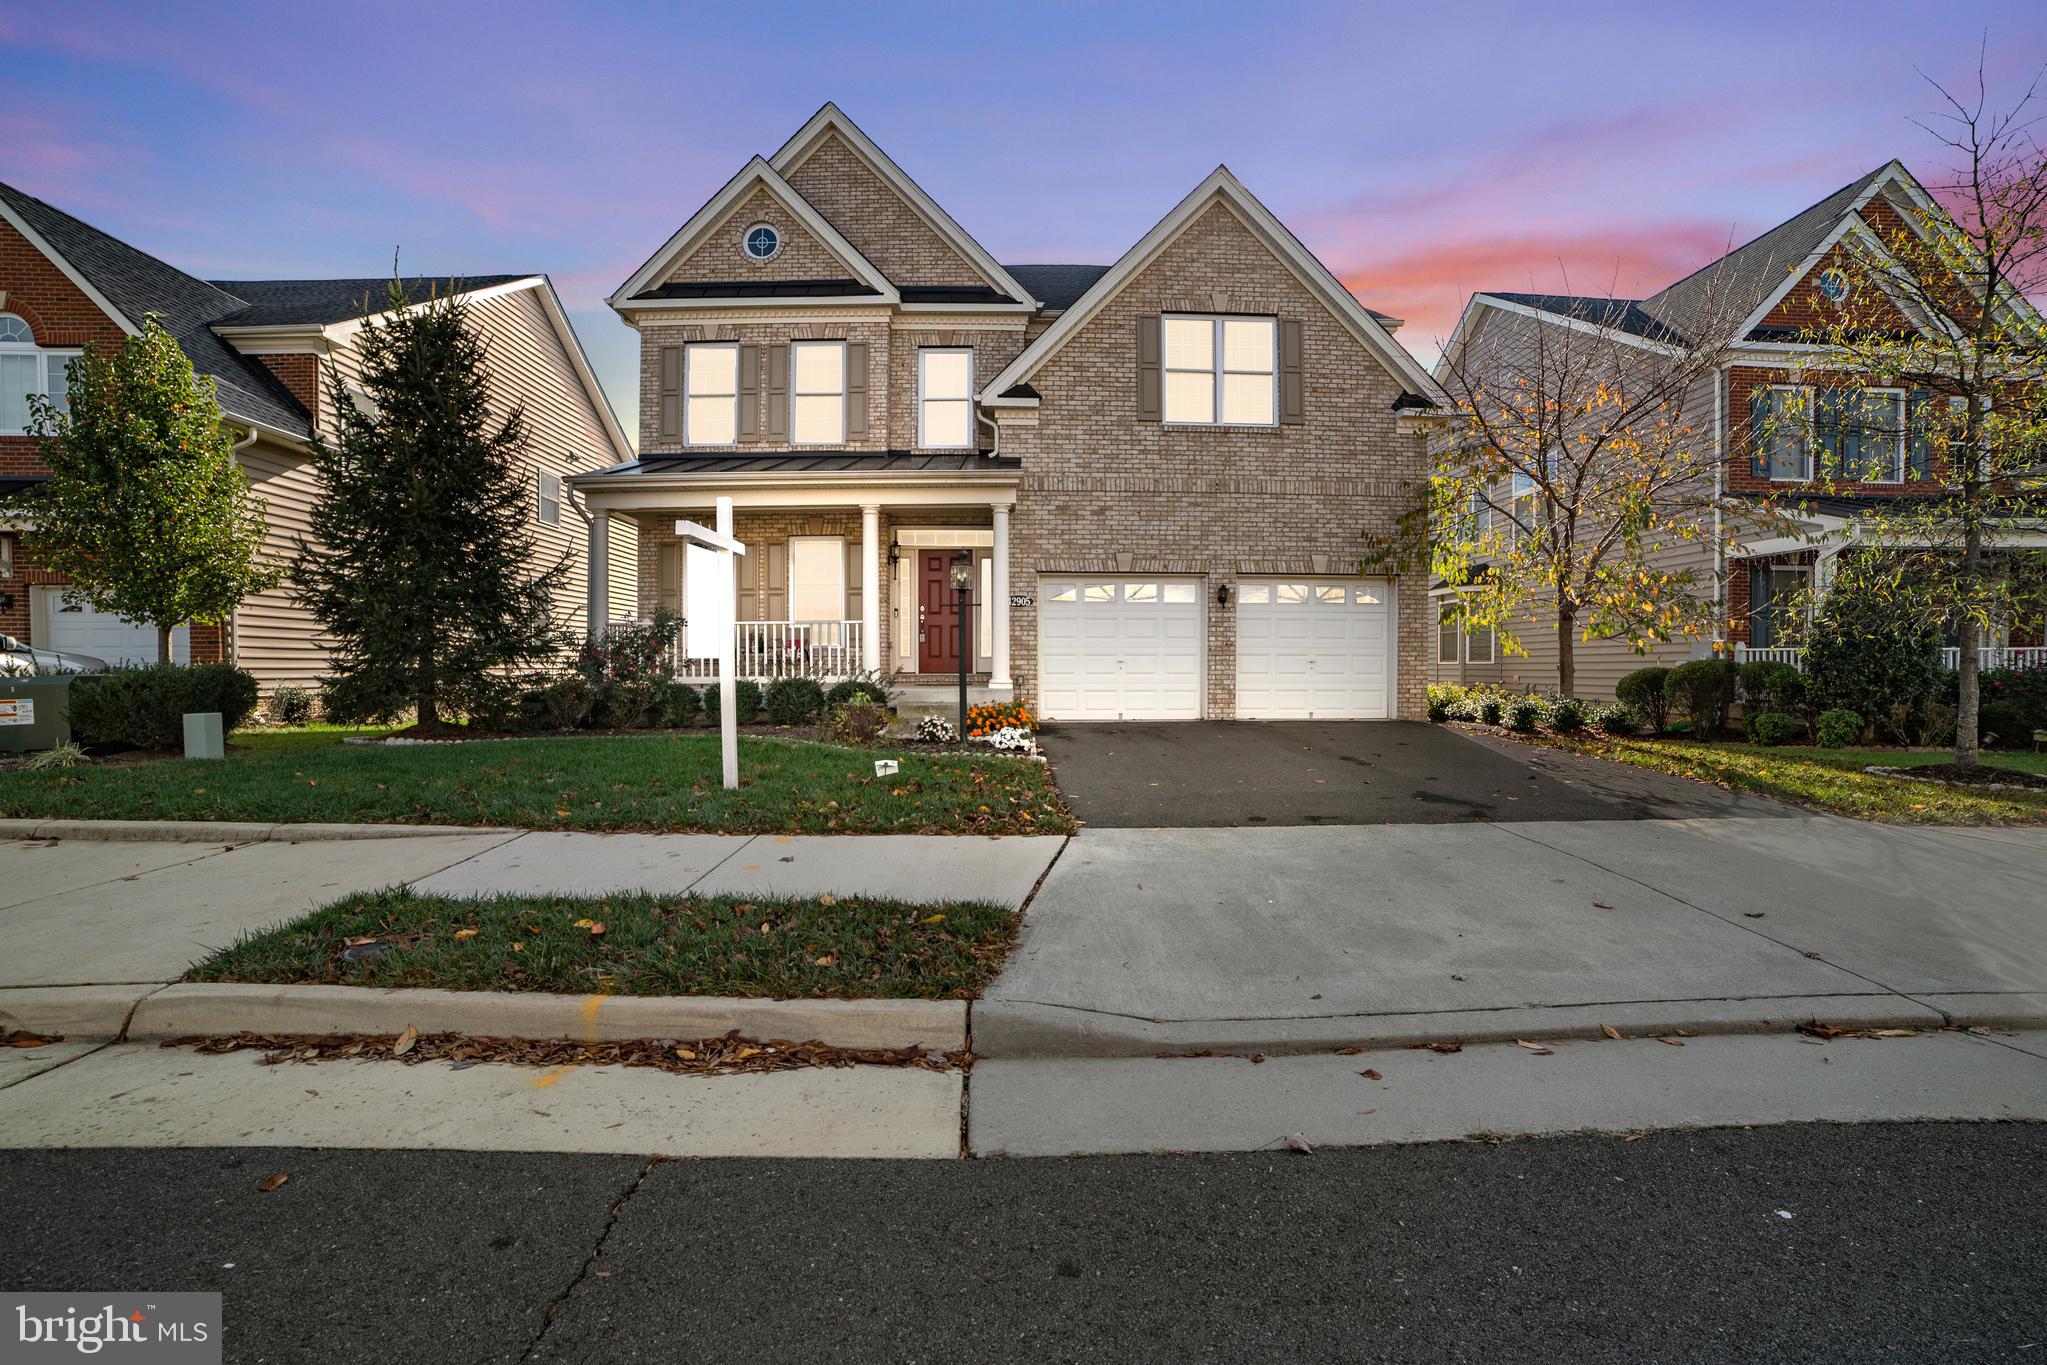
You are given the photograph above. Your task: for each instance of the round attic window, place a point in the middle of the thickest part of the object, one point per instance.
(761, 242)
(1833, 285)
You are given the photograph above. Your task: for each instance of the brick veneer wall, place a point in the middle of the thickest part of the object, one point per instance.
(57, 311)
(1104, 492)
(1742, 381)
(875, 219)
(300, 374)
(721, 256)
(993, 348)
(774, 328)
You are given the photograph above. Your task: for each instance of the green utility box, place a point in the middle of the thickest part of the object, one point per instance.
(35, 712)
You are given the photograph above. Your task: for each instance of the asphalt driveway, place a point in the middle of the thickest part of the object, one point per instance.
(1261, 773)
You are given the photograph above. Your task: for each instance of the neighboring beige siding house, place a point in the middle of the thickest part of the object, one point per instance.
(1777, 287)
(1159, 471)
(272, 348)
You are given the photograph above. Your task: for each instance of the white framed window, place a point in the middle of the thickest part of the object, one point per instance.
(26, 368)
(710, 408)
(945, 397)
(1872, 436)
(1446, 635)
(1784, 445)
(817, 393)
(548, 504)
(1220, 371)
(817, 578)
(1478, 645)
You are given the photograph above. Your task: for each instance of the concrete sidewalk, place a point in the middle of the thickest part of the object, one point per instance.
(1309, 938)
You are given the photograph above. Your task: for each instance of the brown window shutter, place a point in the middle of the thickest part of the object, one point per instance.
(856, 391)
(1293, 379)
(668, 591)
(1148, 407)
(668, 421)
(778, 581)
(778, 393)
(749, 393)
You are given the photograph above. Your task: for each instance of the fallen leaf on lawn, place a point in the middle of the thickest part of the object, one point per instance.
(519, 947)
(1300, 1144)
(595, 927)
(465, 933)
(1371, 1074)
(1671, 1041)
(271, 1182)
(1537, 1048)
(405, 1041)
(827, 899)
(1610, 1031)
(933, 919)
(822, 962)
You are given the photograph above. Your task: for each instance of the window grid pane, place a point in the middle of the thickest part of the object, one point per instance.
(1248, 399)
(1190, 343)
(820, 367)
(947, 422)
(713, 421)
(1248, 345)
(713, 371)
(1190, 396)
(18, 379)
(947, 373)
(820, 419)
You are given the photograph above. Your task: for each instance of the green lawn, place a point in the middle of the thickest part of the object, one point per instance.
(1833, 780)
(625, 782)
(821, 946)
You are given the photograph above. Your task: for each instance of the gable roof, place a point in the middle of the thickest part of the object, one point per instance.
(755, 174)
(283, 303)
(132, 284)
(831, 119)
(1742, 281)
(1057, 287)
(1224, 187)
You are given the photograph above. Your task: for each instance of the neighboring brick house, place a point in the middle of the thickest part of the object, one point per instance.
(1782, 287)
(1159, 471)
(270, 347)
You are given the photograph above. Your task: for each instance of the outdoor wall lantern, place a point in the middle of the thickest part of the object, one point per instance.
(1222, 595)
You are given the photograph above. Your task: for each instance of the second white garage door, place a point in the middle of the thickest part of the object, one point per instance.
(75, 628)
(1119, 648)
(1314, 649)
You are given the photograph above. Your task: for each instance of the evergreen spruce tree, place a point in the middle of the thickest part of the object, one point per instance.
(423, 567)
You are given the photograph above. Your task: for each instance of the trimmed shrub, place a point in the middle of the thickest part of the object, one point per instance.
(2003, 725)
(1443, 697)
(1703, 689)
(861, 687)
(1642, 692)
(292, 705)
(145, 707)
(679, 705)
(746, 701)
(1567, 715)
(1775, 727)
(1867, 652)
(794, 701)
(2023, 689)
(564, 703)
(1491, 707)
(1525, 714)
(1768, 686)
(1618, 720)
(627, 703)
(1439, 708)
(1838, 729)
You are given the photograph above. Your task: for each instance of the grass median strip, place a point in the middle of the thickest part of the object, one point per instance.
(817, 947)
(1834, 780)
(624, 782)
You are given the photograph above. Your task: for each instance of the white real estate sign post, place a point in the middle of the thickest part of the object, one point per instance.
(710, 585)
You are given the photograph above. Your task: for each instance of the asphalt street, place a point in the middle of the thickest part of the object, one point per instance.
(1815, 1243)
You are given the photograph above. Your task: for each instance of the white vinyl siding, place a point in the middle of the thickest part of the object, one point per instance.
(1221, 371)
(945, 402)
(817, 393)
(710, 394)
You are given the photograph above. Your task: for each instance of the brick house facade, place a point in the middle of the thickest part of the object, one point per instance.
(1115, 553)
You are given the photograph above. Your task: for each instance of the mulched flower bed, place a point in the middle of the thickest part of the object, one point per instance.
(731, 1054)
(1987, 776)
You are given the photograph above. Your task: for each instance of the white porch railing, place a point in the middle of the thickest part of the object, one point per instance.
(1995, 656)
(766, 650)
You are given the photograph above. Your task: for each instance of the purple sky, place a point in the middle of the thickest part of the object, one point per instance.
(1423, 151)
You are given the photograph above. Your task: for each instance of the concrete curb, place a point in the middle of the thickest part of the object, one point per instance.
(223, 1007)
(1017, 1029)
(229, 831)
(1992, 1009)
(79, 1013)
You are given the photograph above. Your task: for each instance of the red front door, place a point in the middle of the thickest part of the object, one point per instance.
(938, 613)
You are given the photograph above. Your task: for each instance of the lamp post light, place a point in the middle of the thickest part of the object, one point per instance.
(962, 588)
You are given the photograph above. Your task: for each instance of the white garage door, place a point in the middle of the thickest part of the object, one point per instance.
(1119, 648)
(1314, 649)
(75, 628)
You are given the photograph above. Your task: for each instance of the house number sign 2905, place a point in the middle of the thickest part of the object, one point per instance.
(1022, 599)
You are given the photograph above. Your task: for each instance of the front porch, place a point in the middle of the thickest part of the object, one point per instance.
(849, 567)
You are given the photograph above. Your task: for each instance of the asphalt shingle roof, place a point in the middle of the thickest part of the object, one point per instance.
(137, 284)
(1057, 286)
(1622, 315)
(270, 303)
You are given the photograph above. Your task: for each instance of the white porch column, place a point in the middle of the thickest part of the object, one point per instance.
(998, 673)
(871, 587)
(598, 609)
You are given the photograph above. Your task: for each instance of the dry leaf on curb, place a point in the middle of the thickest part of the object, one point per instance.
(685, 1054)
(1445, 1048)
(1371, 1074)
(1349, 1051)
(23, 1038)
(1895, 1033)
(1537, 1048)
(1610, 1031)
(1671, 1041)
(405, 1041)
(1300, 1144)
(271, 1182)
(1257, 1057)
(1601, 905)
